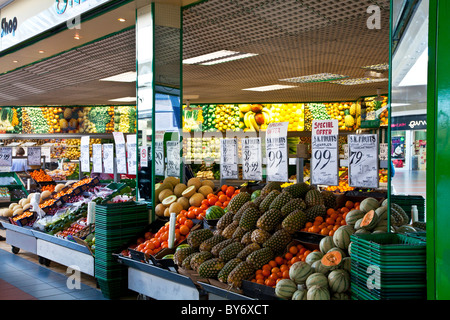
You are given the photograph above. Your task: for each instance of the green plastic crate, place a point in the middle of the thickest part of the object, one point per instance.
(406, 201)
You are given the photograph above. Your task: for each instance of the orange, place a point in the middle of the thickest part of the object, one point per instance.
(184, 230)
(294, 260)
(223, 198)
(330, 221)
(293, 250)
(349, 204)
(224, 188)
(288, 256)
(284, 267)
(324, 231)
(285, 274)
(191, 214)
(279, 260)
(266, 267)
(260, 281)
(330, 211)
(275, 270)
(315, 229)
(319, 218)
(308, 224)
(189, 223)
(273, 263)
(270, 282)
(266, 273)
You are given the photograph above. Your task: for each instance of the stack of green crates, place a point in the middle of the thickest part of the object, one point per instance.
(115, 226)
(388, 266)
(407, 201)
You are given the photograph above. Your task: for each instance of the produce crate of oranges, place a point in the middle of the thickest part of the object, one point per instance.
(343, 187)
(278, 268)
(334, 219)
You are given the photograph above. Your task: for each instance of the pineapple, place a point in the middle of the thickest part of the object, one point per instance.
(278, 241)
(211, 268)
(269, 220)
(242, 271)
(249, 218)
(228, 267)
(294, 222)
(260, 257)
(231, 251)
(282, 199)
(294, 204)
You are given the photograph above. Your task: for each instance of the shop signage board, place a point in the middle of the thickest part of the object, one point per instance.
(34, 156)
(108, 158)
(325, 153)
(121, 154)
(229, 159)
(160, 160)
(277, 158)
(363, 163)
(131, 154)
(5, 156)
(97, 158)
(173, 158)
(251, 159)
(85, 162)
(23, 20)
(412, 122)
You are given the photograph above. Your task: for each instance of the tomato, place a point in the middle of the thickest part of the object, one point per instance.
(212, 201)
(223, 198)
(205, 202)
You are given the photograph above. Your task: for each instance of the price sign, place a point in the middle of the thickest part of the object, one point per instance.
(131, 154)
(108, 158)
(34, 156)
(97, 158)
(325, 153)
(229, 159)
(160, 160)
(384, 151)
(5, 157)
(121, 154)
(173, 158)
(277, 152)
(363, 161)
(84, 154)
(144, 156)
(251, 159)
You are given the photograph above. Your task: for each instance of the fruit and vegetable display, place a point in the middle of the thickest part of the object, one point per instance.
(201, 148)
(10, 119)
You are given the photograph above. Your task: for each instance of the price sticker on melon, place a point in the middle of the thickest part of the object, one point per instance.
(363, 163)
(277, 152)
(173, 158)
(229, 159)
(85, 162)
(251, 159)
(325, 153)
(34, 156)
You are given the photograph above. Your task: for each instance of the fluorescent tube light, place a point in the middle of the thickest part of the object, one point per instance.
(418, 74)
(124, 99)
(123, 77)
(227, 59)
(269, 88)
(321, 77)
(210, 56)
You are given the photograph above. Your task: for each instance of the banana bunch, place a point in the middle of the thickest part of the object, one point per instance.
(256, 121)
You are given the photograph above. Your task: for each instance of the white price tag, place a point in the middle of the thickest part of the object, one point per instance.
(143, 151)
(173, 158)
(363, 163)
(5, 157)
(131, 154)
(229, 159)
(34, 156)
(97, 157)
(160, 160)
(384, 151)
(277, 152)
(251, 159)
(108, 158)
(84, 154)
(325, 153)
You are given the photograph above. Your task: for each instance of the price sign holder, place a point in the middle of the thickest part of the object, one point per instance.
(173, 158)
(34, 156)
(363, 163)
(277, 152)
(251, 159)
(325, 153)
(84, 154)
(229, 159)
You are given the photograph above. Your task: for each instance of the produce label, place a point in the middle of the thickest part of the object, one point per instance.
(229, 159)
(97, 157)
(363, 161)
(251, 159)
(384, 151)
(84, 154)
(121, 154)
(173, 158)
(5, 157)
(108, 158)
(325, 153)
(131, 154)
(277, 152)
(34, 156)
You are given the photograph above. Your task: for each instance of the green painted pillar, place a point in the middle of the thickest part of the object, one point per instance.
(438, 152)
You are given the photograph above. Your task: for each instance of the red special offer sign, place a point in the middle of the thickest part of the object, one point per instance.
(325, 127)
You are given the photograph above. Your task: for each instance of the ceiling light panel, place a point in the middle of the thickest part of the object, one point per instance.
(210, 56)
(358, 81)
(123, 77)
(321, 77)
(228, 59)
(269, 88)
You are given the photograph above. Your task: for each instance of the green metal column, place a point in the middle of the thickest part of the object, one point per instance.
(438, 152)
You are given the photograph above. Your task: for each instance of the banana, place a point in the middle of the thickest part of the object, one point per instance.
(253, 122)
(267, 117)
(247, 117)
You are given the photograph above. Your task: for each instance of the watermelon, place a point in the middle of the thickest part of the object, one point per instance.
(318, 293)
(316, 279)
(326, 244)
(369, 204)
(214, 212)
(313, 257)
(300, 294)
(353, 216)
(285, 288)
(341, 237)
(339, 281)
(299, 272)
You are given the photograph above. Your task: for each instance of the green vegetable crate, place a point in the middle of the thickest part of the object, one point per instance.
(407, 201)
(115, 225)
(388, 266)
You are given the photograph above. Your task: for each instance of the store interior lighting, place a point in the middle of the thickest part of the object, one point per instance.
(123, 77)
(218, 57)
(124, 99)
(321, 77)
(269, 88)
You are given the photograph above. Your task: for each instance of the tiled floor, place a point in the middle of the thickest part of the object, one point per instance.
(410, 182)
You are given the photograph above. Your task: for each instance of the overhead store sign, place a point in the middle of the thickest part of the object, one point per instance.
(413, 122)
(22, 20)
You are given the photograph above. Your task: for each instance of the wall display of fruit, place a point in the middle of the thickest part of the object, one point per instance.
(201, 148)
(10, 120)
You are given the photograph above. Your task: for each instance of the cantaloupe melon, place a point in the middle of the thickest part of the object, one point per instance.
(196, 200)
(179, 188)
(164, 194)
(189, 192)
(205, 190)
(194, 182)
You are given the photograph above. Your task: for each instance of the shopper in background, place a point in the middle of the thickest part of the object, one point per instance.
(19, 165)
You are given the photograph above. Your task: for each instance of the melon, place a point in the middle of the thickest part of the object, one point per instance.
(8, 213)
(313, 257)
(208, 183)
(214, 212)
(349, 249)
(316, 279)
(340, 296)
(299, 294)
(347, 264)
(178, 189)
(59, 187)
(299, 272)
(45, 194)
(184, 202)
(339, 281)
(382, 213)
(369, 221)
(319, 267)
(326, 244)
(362, 231)
(175, 207)
(164, 194)
(169, 200)
(167, 213)
(357, 225)
(196, 200)
(318, 293)
(26, 207)
(196, 182)
(189, 192)
(285, 289)
(17, 211)
(369, 204)
(332, 259)
(205, 190)
(159, 210)
(353, 216)
(172, 180)
(341, 237)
